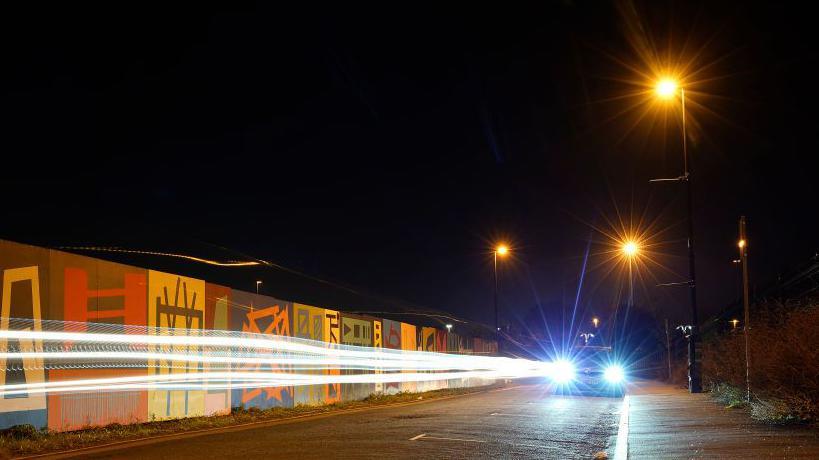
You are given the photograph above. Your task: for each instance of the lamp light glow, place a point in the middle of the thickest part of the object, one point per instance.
(666, 88)
(630, 248)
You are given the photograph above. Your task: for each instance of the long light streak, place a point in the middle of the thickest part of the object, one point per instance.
(175, 357)
(166, 254)
(182, 359)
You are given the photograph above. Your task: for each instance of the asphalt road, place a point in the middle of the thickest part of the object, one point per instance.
(523, 421)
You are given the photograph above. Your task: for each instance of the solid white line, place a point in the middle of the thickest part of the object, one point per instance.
(418, 437)
(515, 415)
(621, 449)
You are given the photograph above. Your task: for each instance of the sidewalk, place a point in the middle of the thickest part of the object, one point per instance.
(669, 423)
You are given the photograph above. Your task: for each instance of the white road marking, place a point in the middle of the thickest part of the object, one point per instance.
(453, 439)
(514, 415)
(621, 447)
(418, 437)
(506, 389)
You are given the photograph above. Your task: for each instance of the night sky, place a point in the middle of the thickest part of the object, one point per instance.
(388, 148)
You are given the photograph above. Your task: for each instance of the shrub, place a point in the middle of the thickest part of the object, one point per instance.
(784, 362)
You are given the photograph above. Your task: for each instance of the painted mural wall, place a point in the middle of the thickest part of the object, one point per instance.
(40, 285)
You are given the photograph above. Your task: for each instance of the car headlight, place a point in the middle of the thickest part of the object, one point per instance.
(562, 371)
(614, 374)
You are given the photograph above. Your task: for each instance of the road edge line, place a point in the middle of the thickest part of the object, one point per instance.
(621, 445)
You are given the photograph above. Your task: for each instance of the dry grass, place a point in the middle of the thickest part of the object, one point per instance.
(27, 440)
(784, 364)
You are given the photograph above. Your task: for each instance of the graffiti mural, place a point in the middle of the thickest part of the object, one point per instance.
(89, 290)
(72, 411)
(177, 303)
(409, 342)
(217, 304)
(86, 290)
(377, 343)
(440, 341)
(332, 334)
(356, 330)
(392, 340)
(83, 294)
(428, 340)
(21, 298)
(260, 314)
(308, 323)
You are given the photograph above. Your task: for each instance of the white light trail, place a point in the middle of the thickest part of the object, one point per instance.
(180, 359)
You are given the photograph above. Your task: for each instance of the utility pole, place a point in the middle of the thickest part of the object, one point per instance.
(694, 377)
(668, 348)
(743, 254)
(497, 324)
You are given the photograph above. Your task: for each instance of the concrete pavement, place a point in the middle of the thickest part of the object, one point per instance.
(669, 423)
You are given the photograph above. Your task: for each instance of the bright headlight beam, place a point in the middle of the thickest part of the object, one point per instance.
(562, 371)
(614, 374)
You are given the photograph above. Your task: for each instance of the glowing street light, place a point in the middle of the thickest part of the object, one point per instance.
(734, 322)
(595, 321)
(630, 249)
(741, 243)
(449, 328)
(500, 250)
(666, 88)
(258, 283)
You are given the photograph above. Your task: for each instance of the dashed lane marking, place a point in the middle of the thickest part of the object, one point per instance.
(441, 438)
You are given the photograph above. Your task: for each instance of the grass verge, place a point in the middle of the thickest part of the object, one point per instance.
(24, 440)
(769, 410)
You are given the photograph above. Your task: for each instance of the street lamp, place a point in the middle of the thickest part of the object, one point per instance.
(595, 321)
(501, 250)
(258, 283)
(667, 89)
(449, 328)
(630, 250)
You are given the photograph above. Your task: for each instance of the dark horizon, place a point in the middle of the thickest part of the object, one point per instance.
(391, 150)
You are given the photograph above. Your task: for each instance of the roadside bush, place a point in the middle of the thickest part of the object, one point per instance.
(784, 362)
(22, 432)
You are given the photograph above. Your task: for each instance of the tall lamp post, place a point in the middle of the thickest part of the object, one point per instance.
(630, 250)
(743, 255)
(668, 89)
(501, 250)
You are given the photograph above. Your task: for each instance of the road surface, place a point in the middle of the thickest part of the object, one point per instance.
(523, 421)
